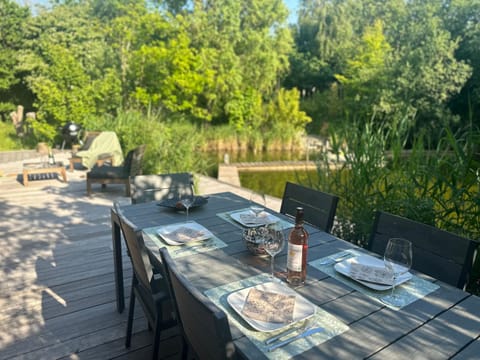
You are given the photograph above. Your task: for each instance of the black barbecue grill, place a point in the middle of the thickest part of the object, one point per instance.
(71, 134)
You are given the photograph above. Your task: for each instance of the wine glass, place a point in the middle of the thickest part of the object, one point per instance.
(273, 243)
(257, 203)
(187, 201)
(398, 260)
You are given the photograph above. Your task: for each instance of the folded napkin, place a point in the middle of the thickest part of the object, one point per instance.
(364, 269)
(269, 306)
(186, 234)
(249, 217)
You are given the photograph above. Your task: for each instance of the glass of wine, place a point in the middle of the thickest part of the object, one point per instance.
(257, 203)
(398, 260)
(187, 201)
(273, 243)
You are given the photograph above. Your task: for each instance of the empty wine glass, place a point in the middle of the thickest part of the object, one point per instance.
(257, 203)
(273, 243)
(187, 201)
(398, 260)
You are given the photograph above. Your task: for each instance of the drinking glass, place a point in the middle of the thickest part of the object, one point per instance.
(398, 260)
(273, 243)
(187, 201)
(257, 203)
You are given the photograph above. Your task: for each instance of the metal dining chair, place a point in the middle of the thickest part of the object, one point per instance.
(204, 325)
(443, 255)
(319, 207)
(149, 286)
(146, 188)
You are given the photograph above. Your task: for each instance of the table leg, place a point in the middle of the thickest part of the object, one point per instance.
(117, 262)
(25, 178)
(63, 172)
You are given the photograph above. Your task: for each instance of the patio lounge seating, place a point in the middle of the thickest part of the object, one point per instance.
(98, 148)
(438, 253)
(145, 188)
(320, 207)
(118, 174)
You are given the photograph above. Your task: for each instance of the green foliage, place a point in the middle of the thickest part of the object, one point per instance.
(284, 117)
(172, 146)
(434, 185)
(63, 66)
(411, 65)
(245, 47)
(8, 137)
(11, 41)
(170, 74)
(364, 76)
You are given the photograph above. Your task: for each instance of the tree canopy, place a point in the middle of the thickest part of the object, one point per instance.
(235, 61)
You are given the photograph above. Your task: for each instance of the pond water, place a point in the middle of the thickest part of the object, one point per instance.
(268, 182)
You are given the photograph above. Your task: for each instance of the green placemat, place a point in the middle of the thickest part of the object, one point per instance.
(332, 326)
(192, 248)
(227, 217)
(408, 292)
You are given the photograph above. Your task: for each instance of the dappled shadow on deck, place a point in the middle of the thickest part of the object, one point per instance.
(57, 292)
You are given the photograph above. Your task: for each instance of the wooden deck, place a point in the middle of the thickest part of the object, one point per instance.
(57, 290)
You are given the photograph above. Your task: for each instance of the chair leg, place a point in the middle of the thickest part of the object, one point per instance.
(131, 310)
(127, 188)
(184, 350)
(156, 338)
(89, 188)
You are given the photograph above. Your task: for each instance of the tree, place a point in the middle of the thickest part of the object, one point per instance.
(462, 19)
(365, 76)
(422, 73)
(12, 91)
(66, 65)
(245, 45)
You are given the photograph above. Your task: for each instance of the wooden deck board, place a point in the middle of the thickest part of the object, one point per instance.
(57, 297)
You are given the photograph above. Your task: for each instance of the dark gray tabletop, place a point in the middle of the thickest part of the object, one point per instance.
(444, 324)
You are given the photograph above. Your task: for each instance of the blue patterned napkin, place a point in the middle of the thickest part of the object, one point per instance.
(408, 292)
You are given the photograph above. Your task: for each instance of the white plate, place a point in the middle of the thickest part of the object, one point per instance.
(344, 268)
(303, 308)
(183, 233)
(247, 218)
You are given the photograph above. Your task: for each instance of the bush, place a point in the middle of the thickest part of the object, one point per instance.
(438, 185)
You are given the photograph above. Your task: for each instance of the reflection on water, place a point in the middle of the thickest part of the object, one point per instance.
(273, 182)
(250, 156)
(268, 182)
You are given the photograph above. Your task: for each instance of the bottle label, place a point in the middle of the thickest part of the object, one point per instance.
(294, 258)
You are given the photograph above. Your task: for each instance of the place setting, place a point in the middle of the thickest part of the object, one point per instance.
(254, 216)
(278, 320)
(184, 238)
(387, 280)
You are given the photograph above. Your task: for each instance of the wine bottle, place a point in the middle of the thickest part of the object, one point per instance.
(297, 251)
(51, 159)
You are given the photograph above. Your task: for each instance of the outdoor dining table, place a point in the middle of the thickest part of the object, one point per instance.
(437, 322)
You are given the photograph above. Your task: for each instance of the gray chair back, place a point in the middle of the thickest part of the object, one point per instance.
(319, 207)
(136, 250)
(133, 161)
(146, 188)
(204, 325)
(148, 285)
(438, 253)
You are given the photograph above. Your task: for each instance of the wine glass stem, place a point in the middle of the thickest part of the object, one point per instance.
(272, 265)
(393, 287)
(187, 212)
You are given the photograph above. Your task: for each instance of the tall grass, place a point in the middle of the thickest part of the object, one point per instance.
(434, 183)
(172, 144)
